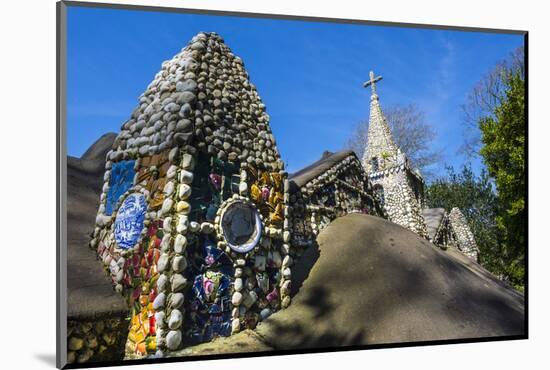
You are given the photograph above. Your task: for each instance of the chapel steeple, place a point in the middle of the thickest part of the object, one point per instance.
(398, 187)
(381, 151)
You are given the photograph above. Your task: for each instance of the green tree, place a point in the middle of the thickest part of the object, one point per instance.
(475, 197)
(485, 97)
(503, 152)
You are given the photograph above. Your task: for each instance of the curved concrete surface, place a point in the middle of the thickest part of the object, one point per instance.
(373, 282)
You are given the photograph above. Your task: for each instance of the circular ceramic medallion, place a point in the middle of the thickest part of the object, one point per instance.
(129, 220)
(241, 226)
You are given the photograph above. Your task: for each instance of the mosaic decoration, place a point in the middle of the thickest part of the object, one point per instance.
(193, 147)
(122, 179)
(129, 221)
(140, 280)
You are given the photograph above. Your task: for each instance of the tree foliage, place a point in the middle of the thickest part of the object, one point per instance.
(495, 115)
(476, 198)
(411, 133)
(503, 152)
(485, 97)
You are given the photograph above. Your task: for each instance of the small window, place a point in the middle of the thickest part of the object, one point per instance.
(379, 193)
(374, 164)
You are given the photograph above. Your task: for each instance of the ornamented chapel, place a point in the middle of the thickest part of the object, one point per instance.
(199, 224)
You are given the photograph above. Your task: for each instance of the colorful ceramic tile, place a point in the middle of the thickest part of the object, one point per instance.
(122, 179)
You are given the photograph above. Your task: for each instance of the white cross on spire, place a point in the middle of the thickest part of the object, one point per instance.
(372, 82)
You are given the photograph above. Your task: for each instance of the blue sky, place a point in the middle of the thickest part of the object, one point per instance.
(309, 74)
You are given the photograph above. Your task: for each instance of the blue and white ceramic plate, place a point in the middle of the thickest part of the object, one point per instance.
(129, 220)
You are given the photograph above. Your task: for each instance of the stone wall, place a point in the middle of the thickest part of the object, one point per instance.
(97, 340)
(191, 225)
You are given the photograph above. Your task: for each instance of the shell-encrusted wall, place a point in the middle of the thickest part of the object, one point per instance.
(401, 194)
(341, 189)
(192, 224)
(461, 234)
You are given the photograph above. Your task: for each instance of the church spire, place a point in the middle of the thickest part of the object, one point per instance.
(381, 151)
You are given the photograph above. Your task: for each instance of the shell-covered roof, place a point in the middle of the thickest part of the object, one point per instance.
(201, 97)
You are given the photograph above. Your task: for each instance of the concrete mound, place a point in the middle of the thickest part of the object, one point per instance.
(373, 282)
(90, 294)
(368, 281)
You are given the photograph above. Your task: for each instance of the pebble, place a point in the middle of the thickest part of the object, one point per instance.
(161, 282)
(180, 243)
(183, 223)
(178, 282)
(159, 318)
(194, 226)
(185, 111)
(167, 225)
(168, 188)
(176, 319)
(238, 284)
(183, 207)
(176, 300)
(173, 339)
(159, 302)
(207, 228)
(184, 191)
(179, 263)
(172, 108)
(163, 262)
(286, 236)
(237, 298)
(186, 97)
(186, 177)
(183, 137)
(184, 125)
(167, 205)
(75, 343)
(285, 288)
(165, 243)
(276, 259)
(85, 356)
(287, 261)
(172, 154)
(186, 85)
(172, 171)
(187, 163)
(235, 326)
(238, 272)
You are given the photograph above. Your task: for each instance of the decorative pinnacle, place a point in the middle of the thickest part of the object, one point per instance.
(372, 82)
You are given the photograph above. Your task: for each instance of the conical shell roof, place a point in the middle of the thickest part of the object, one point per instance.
(201, 98)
